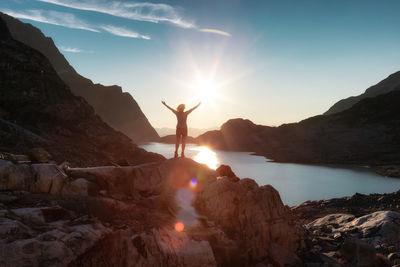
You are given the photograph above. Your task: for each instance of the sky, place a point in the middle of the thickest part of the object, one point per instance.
(272, 62)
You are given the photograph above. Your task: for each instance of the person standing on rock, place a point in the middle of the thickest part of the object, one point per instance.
(181, 126)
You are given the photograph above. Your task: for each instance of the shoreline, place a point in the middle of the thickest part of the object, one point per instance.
(384, 170)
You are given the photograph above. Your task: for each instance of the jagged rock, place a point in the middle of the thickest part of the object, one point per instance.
(252, 216)
(225, 170)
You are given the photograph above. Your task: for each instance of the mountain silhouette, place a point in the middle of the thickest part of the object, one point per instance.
(389, 84)
(37, 109)
(366, 133)
(115, 107)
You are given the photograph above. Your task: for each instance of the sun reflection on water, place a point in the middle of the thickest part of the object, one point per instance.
(206, 156)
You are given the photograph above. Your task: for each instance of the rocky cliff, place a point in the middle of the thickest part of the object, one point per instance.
(115, 107)
(128, 216)
(385, 86)
(37, 109)
(367, 133)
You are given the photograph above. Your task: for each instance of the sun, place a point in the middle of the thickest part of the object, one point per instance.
(206, 91)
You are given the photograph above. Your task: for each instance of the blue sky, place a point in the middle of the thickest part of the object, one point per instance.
(272, 62)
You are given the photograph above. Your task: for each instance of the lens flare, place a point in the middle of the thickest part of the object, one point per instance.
(179, 227)
(193, 183)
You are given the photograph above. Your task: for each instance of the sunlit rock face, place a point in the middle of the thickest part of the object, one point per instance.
(252, 217)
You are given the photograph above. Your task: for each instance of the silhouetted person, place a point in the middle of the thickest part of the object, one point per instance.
(181, 126)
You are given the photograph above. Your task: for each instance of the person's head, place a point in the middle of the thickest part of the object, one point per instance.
(181, 108)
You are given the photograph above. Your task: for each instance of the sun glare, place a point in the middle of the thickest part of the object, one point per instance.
(206, 156)
(206, 91)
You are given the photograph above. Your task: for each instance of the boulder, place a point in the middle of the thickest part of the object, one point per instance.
(381, 227)
(49, 178)
(254, 217)
(15, 177)
(225, 170)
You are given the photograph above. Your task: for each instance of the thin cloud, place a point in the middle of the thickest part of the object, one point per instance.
(52, 17)
(70, 49)
(119, 31)
(145, 11)
(215, 31)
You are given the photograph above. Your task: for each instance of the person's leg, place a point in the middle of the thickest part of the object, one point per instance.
(184, 134)
(183, 146)
(177, 141)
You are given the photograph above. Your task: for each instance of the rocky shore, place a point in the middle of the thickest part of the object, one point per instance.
(360, 230)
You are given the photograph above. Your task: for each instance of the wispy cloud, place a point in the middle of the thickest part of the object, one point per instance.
(215, 31)
(52, 17)
(145, 11)
(70, 49)
(119, 31)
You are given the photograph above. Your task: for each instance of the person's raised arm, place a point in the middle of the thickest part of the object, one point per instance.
(190, 110)
(173, 110)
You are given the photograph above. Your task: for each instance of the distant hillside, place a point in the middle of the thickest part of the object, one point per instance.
(116, 108)
(37, 109)
(389, 84)
(367, 133)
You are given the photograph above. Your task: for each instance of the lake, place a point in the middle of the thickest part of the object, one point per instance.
(296, 183)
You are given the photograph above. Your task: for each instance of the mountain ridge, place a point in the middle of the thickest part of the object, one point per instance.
(38, 110)
(392, 82)
(367, 133)
(117, 108)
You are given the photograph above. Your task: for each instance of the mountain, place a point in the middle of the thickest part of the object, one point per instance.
(115, 107)
(389, 84)
(367, 133)
(38, 110)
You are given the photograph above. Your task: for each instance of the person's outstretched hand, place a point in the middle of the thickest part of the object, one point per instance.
(163, 102)
(199, 103)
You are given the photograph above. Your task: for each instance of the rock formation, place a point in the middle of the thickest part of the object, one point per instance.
(361, 230)
(37, 109)
(387, 85)
(115, 107)
(125, 216)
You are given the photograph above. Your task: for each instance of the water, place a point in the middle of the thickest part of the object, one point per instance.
(296, 183)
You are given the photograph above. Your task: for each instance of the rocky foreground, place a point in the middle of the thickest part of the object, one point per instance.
(125, 216)
(181, 213)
